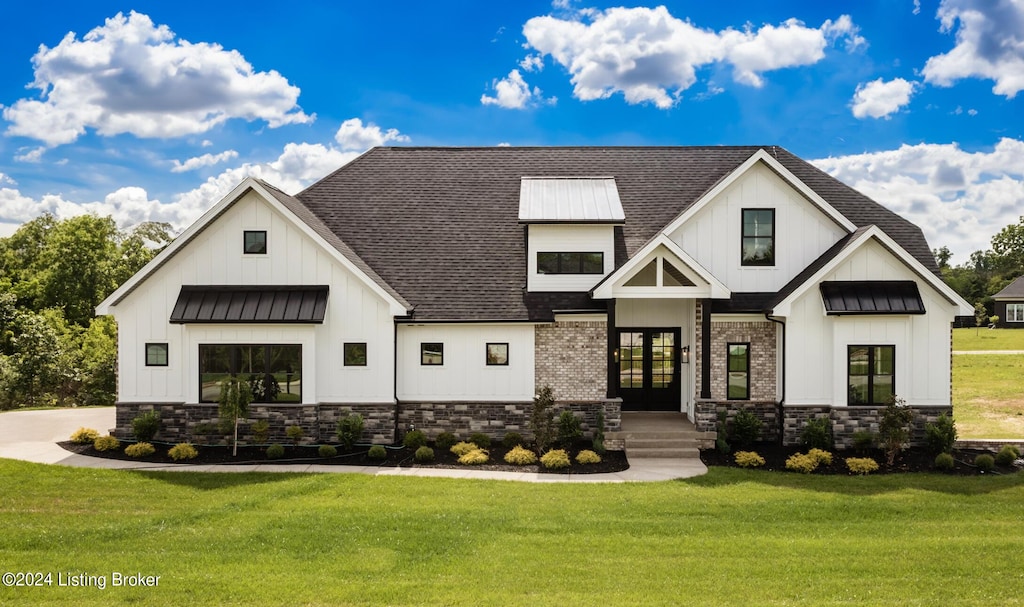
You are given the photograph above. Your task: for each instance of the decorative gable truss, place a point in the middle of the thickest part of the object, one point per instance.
(661, 269)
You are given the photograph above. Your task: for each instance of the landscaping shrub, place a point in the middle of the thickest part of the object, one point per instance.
(587, 457)
(295, 433)
(480, 440)
(350, 429)
(84, 436)
(817, 434)
(569, 430)
(520, 456)
(445, 441)
(377, 452)
(748, 459)
(275, 452)
(598, 442)
(146, 426)
(940, 436)
(260, 431)
(824, 458)
(944, 461)
(542, 419)
(861, 465)
(512, 439)
(424, 454)
(106, 443)
(474, 457)
(746, 428)
(893, 427)
(555, 459)
(985, 462)
(722, 446)
(863, 440)
(183, 451)
(463, 448)
(414, 439)
(798, 462)
(722, 440)
(327, 451)
(139, 450)
(1007, 455)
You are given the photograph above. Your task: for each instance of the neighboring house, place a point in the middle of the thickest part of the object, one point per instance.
(1010, 305)
(442, 287)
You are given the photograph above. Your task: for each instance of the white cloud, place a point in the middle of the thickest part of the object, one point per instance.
(879, 99)
(5, 179)
(206, 143)
(352, 135)
(512, 92)
(972, 112)
(203, 161)
(650, 56)
(989, 44)
(131, 76)
(917, 7)
(31, 155)
(504, 144)
(532, 63)
(960, 199)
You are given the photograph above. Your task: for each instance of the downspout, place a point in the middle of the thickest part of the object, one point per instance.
(394, 377)
(782, 400)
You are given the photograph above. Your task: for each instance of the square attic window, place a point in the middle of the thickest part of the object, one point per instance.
(255, 242)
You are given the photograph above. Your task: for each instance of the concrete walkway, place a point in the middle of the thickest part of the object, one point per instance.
(33, 435)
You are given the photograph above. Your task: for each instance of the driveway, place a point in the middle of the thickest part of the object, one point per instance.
(33, 435)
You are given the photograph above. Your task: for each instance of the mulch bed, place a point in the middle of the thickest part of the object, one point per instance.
(915, 459)
(611, 461)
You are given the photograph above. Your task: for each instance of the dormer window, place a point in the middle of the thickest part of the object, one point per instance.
(255, 242)
(570, 263)
(758, 247)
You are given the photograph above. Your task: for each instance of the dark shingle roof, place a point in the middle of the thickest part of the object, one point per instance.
(1013, 290)
(440, 225)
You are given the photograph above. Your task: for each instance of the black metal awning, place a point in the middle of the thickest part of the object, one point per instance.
(250, 304)
(871, 297)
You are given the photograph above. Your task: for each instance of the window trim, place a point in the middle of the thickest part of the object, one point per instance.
(245, 237)
(487, 354)
(1018, 308)
(345, 350)
(167, 354)
(199, 351)
(423, 353)
(728, 358)
(871, 375)
(744, 237)
(561, 257)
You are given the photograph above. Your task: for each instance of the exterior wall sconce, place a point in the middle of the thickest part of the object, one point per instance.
(685, 355)
(615, 355)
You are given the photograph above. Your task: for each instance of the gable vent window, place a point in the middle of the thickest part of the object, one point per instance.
(255, 242)
(570, 263)
(758, 248)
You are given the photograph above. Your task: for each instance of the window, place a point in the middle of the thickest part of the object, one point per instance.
(355, 354)
(431, 353)
(739, 372)
(497, 355)
(872, 374)
(1015, 312)
(273, 372)
(255, 242)
(570, 263)
(758, 248)
(156, 355)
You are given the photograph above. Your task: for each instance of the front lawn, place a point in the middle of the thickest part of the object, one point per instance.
(988, 339)
(988, 395)
(731, 537)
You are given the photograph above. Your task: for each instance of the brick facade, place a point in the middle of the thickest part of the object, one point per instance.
(761, 337)
(572, 359)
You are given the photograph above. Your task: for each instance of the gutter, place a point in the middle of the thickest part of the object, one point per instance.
(782, 400)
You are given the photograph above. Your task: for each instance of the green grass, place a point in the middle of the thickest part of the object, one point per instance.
(988, 339)
(988, 395)
(731, 537)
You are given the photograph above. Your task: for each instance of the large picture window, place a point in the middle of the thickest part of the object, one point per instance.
(872, 371)
(758, 247)
(1015, 312)
(274, 372)
(739, 372)
(570, 263)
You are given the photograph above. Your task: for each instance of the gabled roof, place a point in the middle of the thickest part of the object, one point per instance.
(1014, 290)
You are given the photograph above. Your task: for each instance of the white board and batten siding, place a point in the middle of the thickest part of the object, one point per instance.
(465, 375)
(354, 313)
(816, 344)
(713, 236)
(571, 238)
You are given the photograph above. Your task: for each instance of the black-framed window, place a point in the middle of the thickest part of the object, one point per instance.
(872, 374)
(738, 365)
(431, 353)
(255, 242)
(570, 263)
(1015, 312)
(758, 246)
(156, 355)
(497, 354)
(274, 372)
(355, 354)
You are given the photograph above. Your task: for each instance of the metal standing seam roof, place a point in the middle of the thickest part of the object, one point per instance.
(570, 200)
(250, 304)
(861, 297)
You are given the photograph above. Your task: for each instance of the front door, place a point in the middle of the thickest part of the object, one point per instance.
(649, 369)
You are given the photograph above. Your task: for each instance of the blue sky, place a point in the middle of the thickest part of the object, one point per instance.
(154, 110)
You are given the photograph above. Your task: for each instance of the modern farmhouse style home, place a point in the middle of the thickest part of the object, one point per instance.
(441, 288)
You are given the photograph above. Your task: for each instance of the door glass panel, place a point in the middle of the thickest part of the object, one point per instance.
(663, 359)
(631, 359)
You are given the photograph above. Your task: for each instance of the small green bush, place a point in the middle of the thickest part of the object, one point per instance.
(824, 458)
(863, 440)
(746, 428)
(424, 454)
(587, 456)
(139, 450)
(985, 462)
(941, 435)
(445, 441)
(106, 443)
(183, 451)
(1006, 455)
(462, 448)
(555, 459)
(512, 439)
(327, 451)
(260, 431)
(480, 440)
(861, 465)
(748, 459)
(146, 426)
(84, 436)
(798, 462)
(944, 461)
(817, 434)
(275, 452)
(377, 452)
(722, 446)
(894, 427)
(295, 433)
(598, 446)
(569, 429)
(350, 429)
(474, 457)
(520, 457)
(414, 439)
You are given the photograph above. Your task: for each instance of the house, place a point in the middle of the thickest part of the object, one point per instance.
(1010, 305)
(442, 287)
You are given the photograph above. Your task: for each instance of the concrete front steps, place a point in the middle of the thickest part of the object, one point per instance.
(658, 435)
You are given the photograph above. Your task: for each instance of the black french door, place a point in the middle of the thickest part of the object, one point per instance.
(648, 363)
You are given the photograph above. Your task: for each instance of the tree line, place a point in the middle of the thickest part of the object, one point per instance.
(987, 272)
